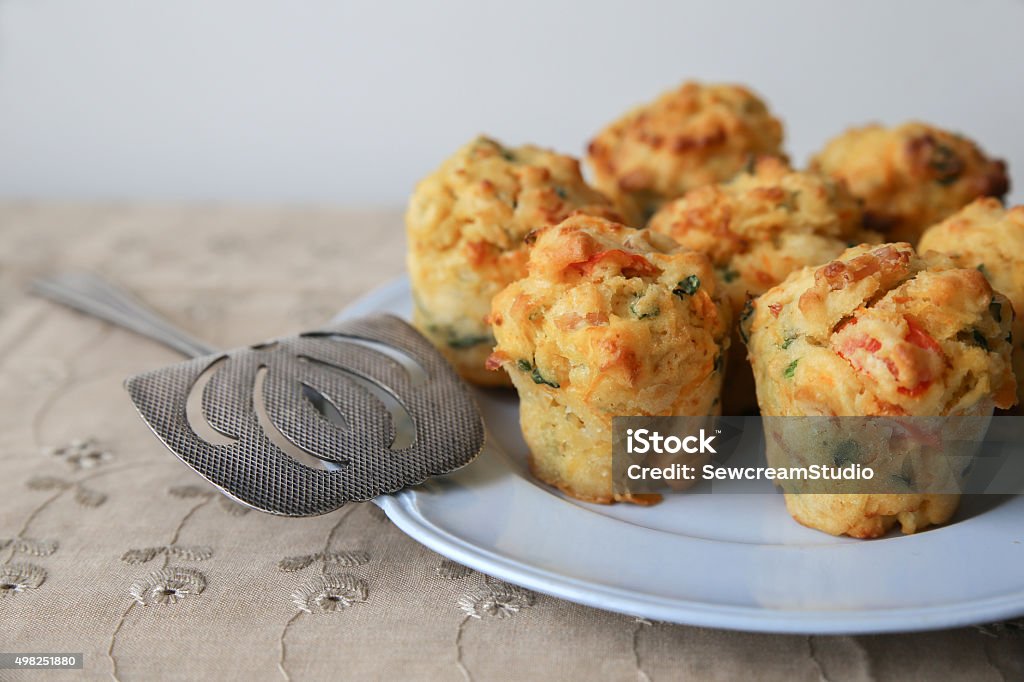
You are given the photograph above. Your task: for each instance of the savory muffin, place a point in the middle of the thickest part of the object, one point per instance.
(610, 321)
(986, 236)
(879, 331)
(756, 229)
(465, 225)
(763, 224)
(910, 176)
(695, 135)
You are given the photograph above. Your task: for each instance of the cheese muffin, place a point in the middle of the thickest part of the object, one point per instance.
(610, 321)
(986, 236)
(465, 226)
(910, 176)
(880, 331)
(757, 228)
(695, 135)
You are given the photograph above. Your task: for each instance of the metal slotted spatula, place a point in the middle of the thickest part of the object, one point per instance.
(299, 425)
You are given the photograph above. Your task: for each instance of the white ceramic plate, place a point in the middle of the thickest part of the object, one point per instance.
(726, 561)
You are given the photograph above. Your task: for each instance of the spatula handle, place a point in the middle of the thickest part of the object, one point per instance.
(95, 296)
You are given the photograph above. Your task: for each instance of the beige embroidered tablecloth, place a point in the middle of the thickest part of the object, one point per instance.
(114, 549)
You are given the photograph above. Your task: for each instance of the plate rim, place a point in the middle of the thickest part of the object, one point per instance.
(402, 509)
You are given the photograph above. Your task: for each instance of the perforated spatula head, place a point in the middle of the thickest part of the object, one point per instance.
(301, 425)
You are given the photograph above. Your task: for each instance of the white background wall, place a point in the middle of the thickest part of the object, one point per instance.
(329, 101)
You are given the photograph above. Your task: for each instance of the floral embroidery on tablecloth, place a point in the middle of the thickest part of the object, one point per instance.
(168, 586)
(197, 491)
(329, 592)
(19, 577)
(82, 494)
(184, 552)
(290, 564)
(29, 546)
(176, 582)
(491, 599)
(452, 570)
(495, 599)
(81, 453)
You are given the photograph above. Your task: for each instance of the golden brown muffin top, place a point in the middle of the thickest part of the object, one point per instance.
(486, 197)
(881, 331)
(910, 176)
(987, 236)
(764, 223)
(624, 319)
(694, 135)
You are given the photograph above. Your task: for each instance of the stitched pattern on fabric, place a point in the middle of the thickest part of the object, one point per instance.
(81, 453)
(19, 577)
(168, 586)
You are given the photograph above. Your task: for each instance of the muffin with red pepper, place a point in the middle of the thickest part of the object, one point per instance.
(465, 226)
(757, 228)
(986, 236)
(695, 135)
(910, 176)
(610, 321)
(879, 332)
